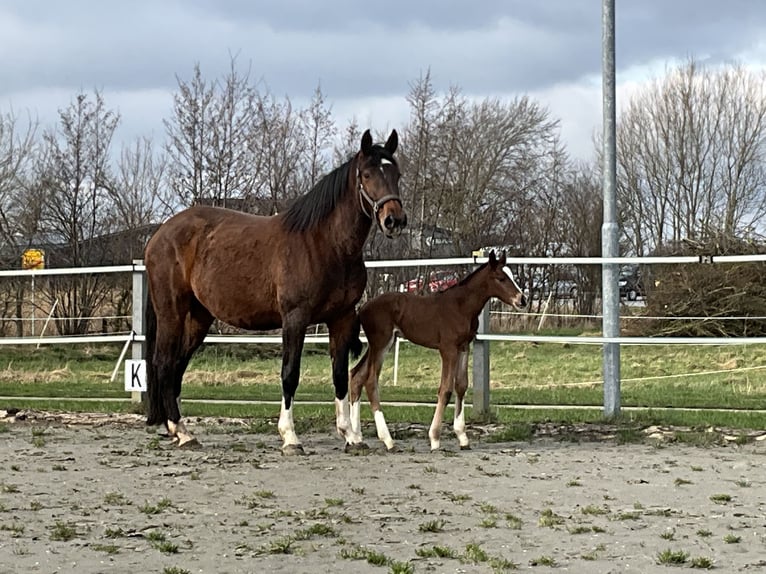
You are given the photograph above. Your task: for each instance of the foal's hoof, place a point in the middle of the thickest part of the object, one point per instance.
(465, 447)
(356, 448)
(190, 444)
(394, 449)
(293, 450)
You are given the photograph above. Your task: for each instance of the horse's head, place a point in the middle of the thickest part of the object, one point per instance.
(503, 285)
(378, 177)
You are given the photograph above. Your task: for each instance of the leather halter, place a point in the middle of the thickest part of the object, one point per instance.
(374, 204)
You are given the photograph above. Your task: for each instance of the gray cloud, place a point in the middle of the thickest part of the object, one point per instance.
(356, 50)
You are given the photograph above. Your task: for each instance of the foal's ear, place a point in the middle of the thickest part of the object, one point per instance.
(492, 258)
(502, 258)
(392, 142)
(367, 143)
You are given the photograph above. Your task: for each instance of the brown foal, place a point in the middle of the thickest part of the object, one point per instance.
(446, 321)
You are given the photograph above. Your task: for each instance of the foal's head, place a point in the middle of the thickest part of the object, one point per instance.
(502, 284)
(378, 176)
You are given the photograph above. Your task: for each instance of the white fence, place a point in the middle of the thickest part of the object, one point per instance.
(483, 338)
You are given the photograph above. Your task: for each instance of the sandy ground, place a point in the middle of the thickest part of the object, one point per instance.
(100, 496)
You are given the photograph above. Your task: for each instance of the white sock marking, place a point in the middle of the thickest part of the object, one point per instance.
(383, 434)
(355, 437)
(286, 427)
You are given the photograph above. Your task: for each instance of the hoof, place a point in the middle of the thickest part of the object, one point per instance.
(293, 450)
(394, 449)
(356, 448)
(465, 447)
(191, 444)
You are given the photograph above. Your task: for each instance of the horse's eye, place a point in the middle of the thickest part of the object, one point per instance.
(366, 175)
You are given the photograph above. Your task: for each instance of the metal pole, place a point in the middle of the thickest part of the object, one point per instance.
(481, 368)
(139, 303)
(610, 230)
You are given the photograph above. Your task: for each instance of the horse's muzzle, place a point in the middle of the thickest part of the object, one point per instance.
(392, 225)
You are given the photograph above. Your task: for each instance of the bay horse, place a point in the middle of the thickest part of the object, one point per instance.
(447, 321)
(290, 270)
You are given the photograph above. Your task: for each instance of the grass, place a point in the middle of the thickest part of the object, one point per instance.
(672, 557)
(63, 531)
(521, 373)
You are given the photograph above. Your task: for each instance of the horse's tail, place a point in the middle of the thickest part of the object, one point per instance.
(355, 345)
(155, 407)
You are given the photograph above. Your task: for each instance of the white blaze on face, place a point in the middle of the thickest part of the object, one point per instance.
(384, 161)
(507, 271)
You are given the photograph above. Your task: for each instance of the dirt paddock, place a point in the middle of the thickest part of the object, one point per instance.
(105, 494)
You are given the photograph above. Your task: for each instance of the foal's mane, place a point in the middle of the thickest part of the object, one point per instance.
(310, 209)
(468, 277)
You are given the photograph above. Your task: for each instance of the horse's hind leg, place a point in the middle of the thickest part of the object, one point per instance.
(449, 363)
(461, 384)
(196, 326)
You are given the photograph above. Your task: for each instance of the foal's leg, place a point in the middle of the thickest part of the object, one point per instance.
(359, 374)
(371, 388)
(341, 335)
(449, 364)
(293, 333)
(461, 384)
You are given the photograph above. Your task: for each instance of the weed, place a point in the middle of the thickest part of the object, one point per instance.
(702, 562)
(696, 468)
(239, 447)
(512, 433)
(682, 482)
(628, 516)
(704, 533)
(594, 510)
(317, 529)
(720, 498)
(732, 539)
(116, 499)
(175, 570)
(455, 498)
(155, 536)
(9, 488)
(359, 553)
(549, 519)
(264, 493)
(436, 552)
(58, 468)
(743, 483)
(672, 557)
(35, 505)
(514, 522)
(487, 508)
(63, 531)
(166, 547)
(475, 553)
(161, 505)
(500, 564)
(334, 501)
(282, 545)
(574, 483)
(432, 526)
(357, 490)
(401, 568)
(488, 522)
(669, 534)
(114, 532)
(580, 529)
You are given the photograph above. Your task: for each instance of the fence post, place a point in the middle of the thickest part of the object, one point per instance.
(481, 368)
(139, 303)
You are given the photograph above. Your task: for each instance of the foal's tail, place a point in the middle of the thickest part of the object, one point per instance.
(356, 345)
(155, 407)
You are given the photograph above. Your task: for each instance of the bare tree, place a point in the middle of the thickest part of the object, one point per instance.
(690, 149)
(320, 130)
(75, 175)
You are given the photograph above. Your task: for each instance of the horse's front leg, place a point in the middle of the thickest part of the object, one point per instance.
(449, 363)
(343, 332)
(293, 333)
(461, 385)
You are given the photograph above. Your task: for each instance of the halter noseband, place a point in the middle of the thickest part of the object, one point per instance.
(374, 204)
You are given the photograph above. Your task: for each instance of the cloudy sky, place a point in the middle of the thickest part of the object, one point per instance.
(365, 54)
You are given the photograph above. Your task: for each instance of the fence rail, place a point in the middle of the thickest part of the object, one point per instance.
(483, 338)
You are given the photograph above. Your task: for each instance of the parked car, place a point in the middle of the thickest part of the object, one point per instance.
(437, 281)
(631, 286)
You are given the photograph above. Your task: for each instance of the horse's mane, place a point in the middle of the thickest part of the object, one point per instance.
(312, 208)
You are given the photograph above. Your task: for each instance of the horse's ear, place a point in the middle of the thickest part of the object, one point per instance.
(392, 143)
(502, 258)
(492, 258)
(367, 143)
